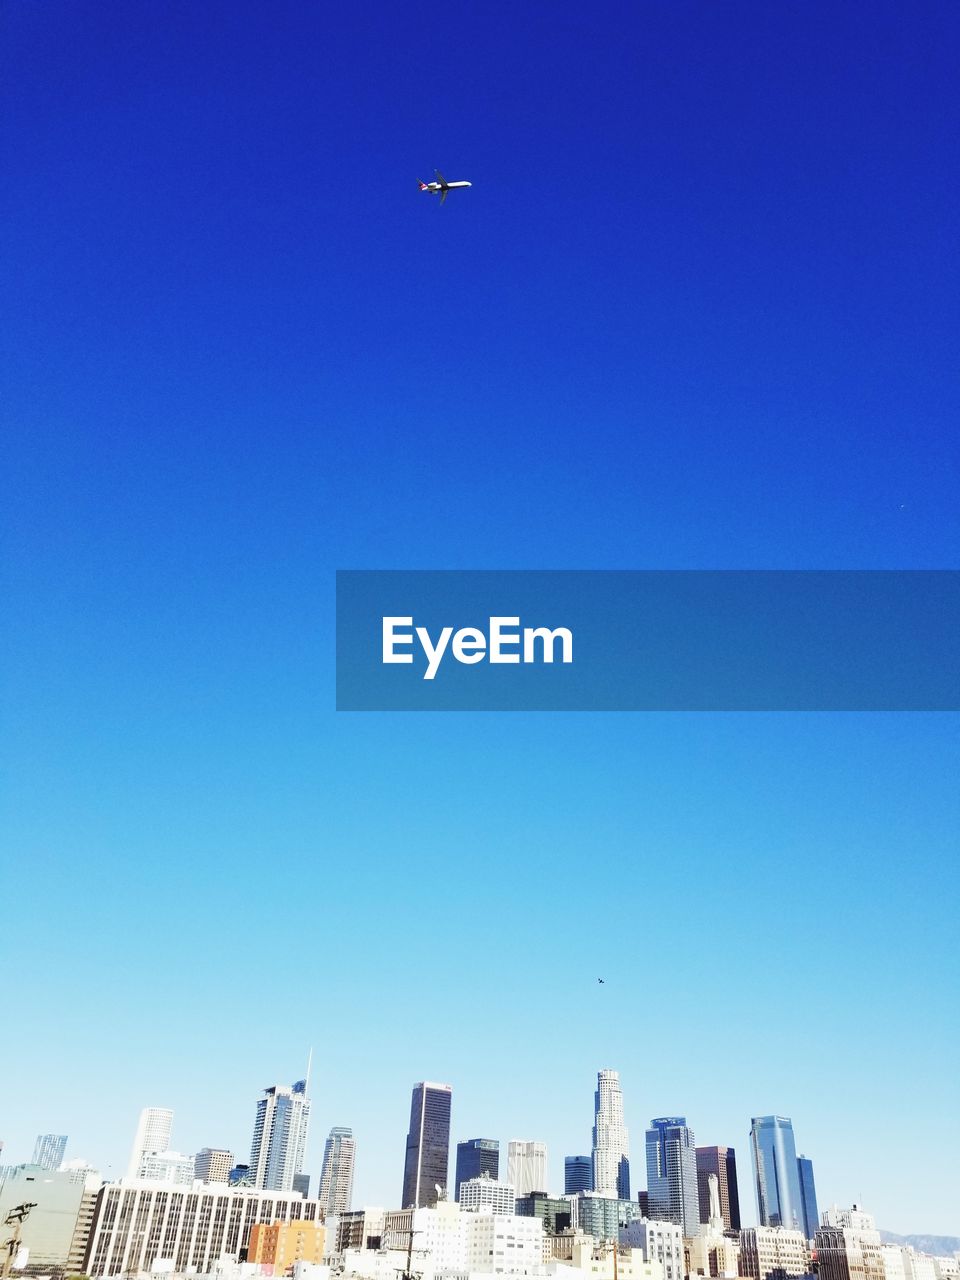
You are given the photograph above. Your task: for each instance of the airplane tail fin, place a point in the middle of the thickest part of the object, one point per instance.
(423, 186)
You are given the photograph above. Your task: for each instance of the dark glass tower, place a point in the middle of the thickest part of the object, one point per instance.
(577, 1174)
(808, 1197)
(475, 1157)
(776, 1172)
(428, 1145)
(672, 1174)
(723, 1162)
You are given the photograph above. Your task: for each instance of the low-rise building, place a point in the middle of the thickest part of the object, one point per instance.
(765, 1251)
(279, 1245)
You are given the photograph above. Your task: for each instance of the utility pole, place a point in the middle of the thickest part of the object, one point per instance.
(15, 1218)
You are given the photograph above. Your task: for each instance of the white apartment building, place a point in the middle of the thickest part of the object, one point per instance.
(167, 1166)
(658, 1242)
(527, 1166)
(280, 1136)
(487, 1193)
(501, 1243)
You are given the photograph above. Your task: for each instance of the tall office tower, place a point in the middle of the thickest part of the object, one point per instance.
(577, 1174)
(809, 1218)
(153, 1134)
(280, 1136)
(611, 1164)
(527, 1166)
(672, 1194)
(723, 1162)
(212, 1164)
(336, 1176)
(428, 1145)
(776, 1172)
(49, 1149)
(475, 1157)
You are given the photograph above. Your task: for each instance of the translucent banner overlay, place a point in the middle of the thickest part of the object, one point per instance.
(649, 640)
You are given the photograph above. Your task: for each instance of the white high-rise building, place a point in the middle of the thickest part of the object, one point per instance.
(279, 1136)
(336, 1177)
(167, 1166)
(611, 1150)
(659, 1242)
(49, 1149)
(502, 1243)
(153, 1134)
(527, 1166)
(487, 1193)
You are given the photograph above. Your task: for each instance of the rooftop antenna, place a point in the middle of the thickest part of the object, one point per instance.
(306, 1085)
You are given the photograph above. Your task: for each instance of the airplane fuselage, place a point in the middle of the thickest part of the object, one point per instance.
(437, 187)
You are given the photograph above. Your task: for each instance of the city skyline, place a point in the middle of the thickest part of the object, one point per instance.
(243, 352)
(665, 1134)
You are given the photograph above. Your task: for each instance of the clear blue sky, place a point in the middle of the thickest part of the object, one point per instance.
(699, 309)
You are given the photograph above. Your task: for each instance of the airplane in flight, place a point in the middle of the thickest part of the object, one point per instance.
(442, 187)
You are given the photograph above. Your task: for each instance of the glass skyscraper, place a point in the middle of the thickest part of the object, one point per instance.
(577, 1174)
(49, 1149)
(672, 1194)
(808, 1197)
(776, 1172)
(428, 1145)
(336, 1175)
(475, 1157)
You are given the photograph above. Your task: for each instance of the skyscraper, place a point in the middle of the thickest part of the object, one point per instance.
(577, 1174)
(808, 1197)
(336, 1176)
(475, 1157)
(611, 1164)
(723, 1162)
(776, 1172)
(279, 1136)
(527, 1166)
(49, 1149)
(153, 1134)
(428, 1145)
(672, 1194)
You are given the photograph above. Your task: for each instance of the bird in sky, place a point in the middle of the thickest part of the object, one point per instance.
(600, 980)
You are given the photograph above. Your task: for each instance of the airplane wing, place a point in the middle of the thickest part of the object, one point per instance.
(442, 180)
(444, 193)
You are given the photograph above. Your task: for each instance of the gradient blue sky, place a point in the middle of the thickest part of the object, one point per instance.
(698, 310)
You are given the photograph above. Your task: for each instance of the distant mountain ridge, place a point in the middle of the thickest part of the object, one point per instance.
(939, 1245)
